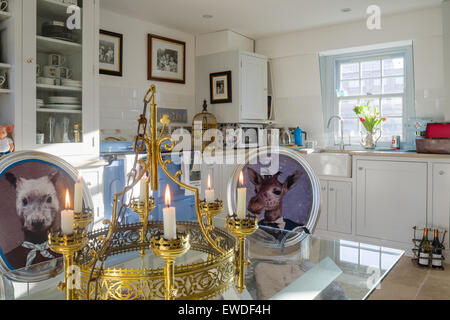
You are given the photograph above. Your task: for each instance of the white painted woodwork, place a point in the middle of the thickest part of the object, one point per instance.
(391, 198)
(339, 206)
(322, 224)
(441, 198)
(249, 85)
(82, 58)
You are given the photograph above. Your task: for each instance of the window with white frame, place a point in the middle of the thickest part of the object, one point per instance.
(384, 78)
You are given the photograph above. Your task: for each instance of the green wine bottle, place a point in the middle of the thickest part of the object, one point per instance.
(436, 246)
(424, 250)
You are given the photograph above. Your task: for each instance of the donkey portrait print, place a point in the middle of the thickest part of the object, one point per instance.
(281, 201)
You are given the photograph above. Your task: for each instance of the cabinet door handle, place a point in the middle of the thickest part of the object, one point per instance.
(441, 173)
(30, 60)
(360, 168)
(323, 188)
(331, 189)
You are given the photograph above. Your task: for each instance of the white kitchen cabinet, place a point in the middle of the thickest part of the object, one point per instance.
(322, 224)
(441, 198)
(81, 56)
(254, 83)
(336, 206)
(93, 177)
(249, 79)
(340, 206)
(391, 198)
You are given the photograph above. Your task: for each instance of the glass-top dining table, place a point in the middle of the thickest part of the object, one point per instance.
(293, 266)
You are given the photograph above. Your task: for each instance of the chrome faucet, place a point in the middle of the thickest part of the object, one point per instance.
(341, 125)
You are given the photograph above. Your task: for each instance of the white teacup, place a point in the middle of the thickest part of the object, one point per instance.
(56, 60)
(64, 73)
(50, 71)
(3, 5)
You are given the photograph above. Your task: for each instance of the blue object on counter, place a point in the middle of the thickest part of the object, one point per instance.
(298, 136)
(114, 182)
(117, 147)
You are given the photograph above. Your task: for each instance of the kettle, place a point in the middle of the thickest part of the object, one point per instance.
(286, 137)
(298, 136)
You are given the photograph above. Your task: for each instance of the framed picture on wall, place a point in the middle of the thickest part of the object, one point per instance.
(220, 87)
(166, 59)
(111, 53)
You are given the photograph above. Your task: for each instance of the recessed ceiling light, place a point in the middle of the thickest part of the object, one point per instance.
(207, 16)
(345, 10)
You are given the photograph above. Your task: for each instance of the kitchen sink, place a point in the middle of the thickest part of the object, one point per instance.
(336, 164)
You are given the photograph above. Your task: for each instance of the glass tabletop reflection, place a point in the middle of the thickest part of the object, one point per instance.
(286, 265)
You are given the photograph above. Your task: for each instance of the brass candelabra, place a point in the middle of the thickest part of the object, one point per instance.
(87, 252)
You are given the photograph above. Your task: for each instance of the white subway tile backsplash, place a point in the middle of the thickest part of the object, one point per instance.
(121, 107)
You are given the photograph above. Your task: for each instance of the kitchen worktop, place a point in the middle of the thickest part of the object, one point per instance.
(377, 153)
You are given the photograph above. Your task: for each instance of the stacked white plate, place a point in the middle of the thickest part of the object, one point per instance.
(71, 83)
(68, 103)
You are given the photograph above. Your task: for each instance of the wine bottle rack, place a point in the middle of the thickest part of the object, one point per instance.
(417, 242)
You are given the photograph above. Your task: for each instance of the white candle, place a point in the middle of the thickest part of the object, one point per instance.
(241, 199)
(209, 193)
(67, 217)
(170, 220)
(143, 192)
(78, 197)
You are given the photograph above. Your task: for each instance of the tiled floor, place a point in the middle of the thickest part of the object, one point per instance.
(409, 282)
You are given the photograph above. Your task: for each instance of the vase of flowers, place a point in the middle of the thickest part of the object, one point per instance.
(372, 123)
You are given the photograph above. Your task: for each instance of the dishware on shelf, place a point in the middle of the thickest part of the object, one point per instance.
(38, 70)
(60, 106)
(63, 100)
(57, 30)
(71, 83)
(64, 73)
(56, 60)
(47, 81)
(50, 71)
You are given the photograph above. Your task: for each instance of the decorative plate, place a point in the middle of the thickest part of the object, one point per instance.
(282, 191)
(33, 186)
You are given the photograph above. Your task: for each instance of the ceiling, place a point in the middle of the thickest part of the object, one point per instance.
(254, 18)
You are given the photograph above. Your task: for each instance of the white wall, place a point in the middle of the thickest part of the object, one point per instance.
(446, 22)
(296, 76)
(121, 97)
(220, 41)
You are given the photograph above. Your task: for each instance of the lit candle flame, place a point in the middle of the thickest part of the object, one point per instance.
(241, 178)
(209, 182)
(67, 199)
(167, 196)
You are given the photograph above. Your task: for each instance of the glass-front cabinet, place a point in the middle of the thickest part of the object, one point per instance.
(60, 76)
